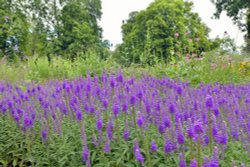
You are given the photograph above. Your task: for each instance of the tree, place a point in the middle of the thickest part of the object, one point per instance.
(238, 10)
(54, 27)
(79, 30)
(166, 28)
(13, 31)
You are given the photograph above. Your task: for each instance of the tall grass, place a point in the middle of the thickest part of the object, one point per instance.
(210, 69)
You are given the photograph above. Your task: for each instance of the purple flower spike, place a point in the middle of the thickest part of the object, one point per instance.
(126, 131)
(106, 148)
(198, 127)
(221, 139)
(193, 163)
(16, 117)
(78, 116)
(115, 109)
(161, 129)
(99, 124)
(209, 101)
(213, 164)
(124, 107)
(137, 153)
(153, 147)
(180, 138)
(105, 103)
(44, 133)
(132, 100)
(109, 129)
(168, 147)
(112, 82)
(119, 77)
(85, 154)
(140, 121)
(182, 162)
(27, 122)
(171, 108)
(190, 130)
(179, 90)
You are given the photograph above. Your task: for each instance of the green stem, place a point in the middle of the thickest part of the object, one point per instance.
(117, 129)
(191, 149)
(146, 148)
(210, 132)
(28, 142)
(134, 118)
(199, 152)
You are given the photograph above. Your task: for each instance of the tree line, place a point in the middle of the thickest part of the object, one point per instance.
(69, 28)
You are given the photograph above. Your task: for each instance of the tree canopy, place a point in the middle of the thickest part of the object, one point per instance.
(50, 26)
(166, 28)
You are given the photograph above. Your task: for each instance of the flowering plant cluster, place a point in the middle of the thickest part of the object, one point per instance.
(245, 68)
(151, 115)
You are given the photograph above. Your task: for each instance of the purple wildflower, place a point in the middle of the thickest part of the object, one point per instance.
(106, 148)
(124, 107)
(168, 147)
(115, 109)
(132, 100)
(198, 127)
(105, 103)
(193, 163)
(44, 133)
(221, 138)
(153, 147)
(112, 82)
(179, 90)
(171, 108)
(137, 153)
(182, 162)
(27, 121)
(109, 129)
(99, 124)
(140, 121)
(85, 153)
(209, 101)
(78, 115)
(161, 128)
(126, 131)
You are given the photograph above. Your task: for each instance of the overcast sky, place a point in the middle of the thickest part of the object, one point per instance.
(114, 11)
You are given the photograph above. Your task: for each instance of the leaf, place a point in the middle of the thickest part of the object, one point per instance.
(93, 156)
(162, 165)
(122, 156)
(14, 163)
(156, 161)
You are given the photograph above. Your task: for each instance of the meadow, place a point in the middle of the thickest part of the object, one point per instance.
(91, 112)
(167, 95)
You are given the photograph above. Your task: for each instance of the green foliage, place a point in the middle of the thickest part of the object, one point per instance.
(210, 69)
(166, 28)
(51, 27)
(79, 30)
(13, 34)
(60, 68)
(213, 67)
